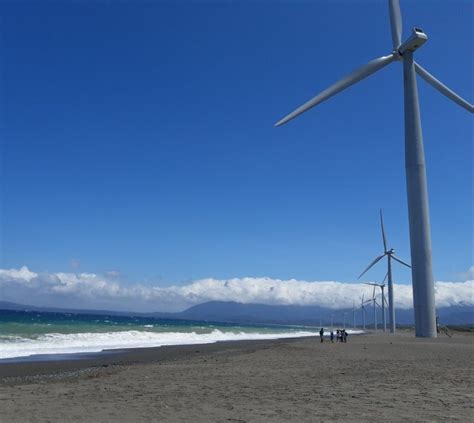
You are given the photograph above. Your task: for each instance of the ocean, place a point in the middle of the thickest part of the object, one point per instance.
(32, 333)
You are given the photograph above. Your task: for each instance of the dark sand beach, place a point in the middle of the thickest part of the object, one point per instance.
(371, 378)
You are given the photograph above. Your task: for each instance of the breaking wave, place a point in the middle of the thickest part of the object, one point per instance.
(55, 343)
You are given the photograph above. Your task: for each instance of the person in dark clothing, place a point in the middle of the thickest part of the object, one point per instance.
(332, 336)
(344, 336)
(321, 334)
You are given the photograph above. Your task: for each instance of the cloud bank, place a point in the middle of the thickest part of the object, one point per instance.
(92, 291)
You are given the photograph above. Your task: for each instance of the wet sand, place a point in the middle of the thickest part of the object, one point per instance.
(371, 378)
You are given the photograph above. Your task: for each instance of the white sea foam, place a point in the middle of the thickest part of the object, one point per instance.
(55, 343)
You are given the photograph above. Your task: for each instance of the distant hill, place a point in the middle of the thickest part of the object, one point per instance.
(238, 312)
(290, 314)
(221, 311)
(5, 305)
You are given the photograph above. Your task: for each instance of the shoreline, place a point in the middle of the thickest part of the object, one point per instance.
(20, 369)
(84, 355)
(55, 364)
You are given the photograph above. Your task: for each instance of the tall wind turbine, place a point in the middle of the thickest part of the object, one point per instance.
(417, 192)
(390, 253)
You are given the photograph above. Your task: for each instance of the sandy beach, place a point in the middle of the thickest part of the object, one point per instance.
(371, 378)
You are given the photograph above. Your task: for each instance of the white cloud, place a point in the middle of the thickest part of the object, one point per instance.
(22, 275)
(87, 290)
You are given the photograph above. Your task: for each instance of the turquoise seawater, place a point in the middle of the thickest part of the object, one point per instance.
(30, 333)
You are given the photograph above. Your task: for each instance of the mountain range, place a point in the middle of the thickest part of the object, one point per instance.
(220, 311)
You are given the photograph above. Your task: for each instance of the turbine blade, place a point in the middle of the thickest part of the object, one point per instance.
(372, 264)
(395, 22)
(373, 294)
(400, 261)
(371, 284)
(352, 78)
(385, 278)
(383, 232)
(443, 89)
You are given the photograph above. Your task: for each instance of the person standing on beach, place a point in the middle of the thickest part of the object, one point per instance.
(321, 334)
(344, 336)
(332, 337)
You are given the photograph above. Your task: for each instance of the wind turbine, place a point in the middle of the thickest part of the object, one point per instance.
(390, 253)
(417, 192)
(362, 307)
(374, 303)
(382, 287)
(353, 315)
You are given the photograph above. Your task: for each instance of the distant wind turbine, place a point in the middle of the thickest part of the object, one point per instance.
(362, 307)
(374, 304)
(353, 315)
(390, 253)
(382, 287)
(417, 191)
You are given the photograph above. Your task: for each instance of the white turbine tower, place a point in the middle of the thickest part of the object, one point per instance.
(353, 315)
(417, 192)
(362, 307)
(390, 253)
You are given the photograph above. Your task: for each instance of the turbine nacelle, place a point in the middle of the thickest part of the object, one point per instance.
(416, 40)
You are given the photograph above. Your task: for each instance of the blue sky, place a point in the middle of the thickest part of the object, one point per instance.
(138, 137)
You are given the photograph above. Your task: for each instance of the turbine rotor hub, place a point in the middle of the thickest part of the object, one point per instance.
(397, 55)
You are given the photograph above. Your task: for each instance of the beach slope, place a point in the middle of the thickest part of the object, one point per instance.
(371, 378)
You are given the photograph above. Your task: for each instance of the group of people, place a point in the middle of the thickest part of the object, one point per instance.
(341, 335)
